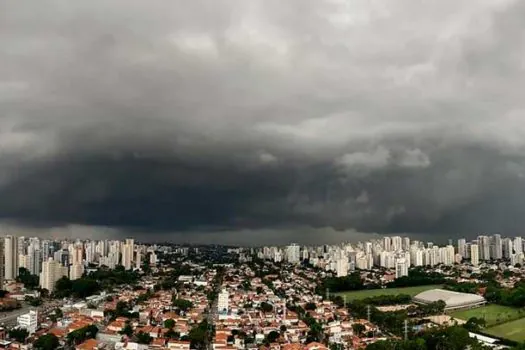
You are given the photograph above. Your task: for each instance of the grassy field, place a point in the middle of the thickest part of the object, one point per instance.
(362, 294)
(493, 314)
(512, 330)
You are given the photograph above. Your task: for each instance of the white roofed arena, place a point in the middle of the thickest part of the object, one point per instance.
(453, 300)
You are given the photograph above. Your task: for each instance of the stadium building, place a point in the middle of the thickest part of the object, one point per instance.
(453, 300)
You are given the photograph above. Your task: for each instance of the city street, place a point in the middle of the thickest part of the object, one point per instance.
(8, 319)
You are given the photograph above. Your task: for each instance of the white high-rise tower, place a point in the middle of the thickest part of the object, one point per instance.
(127, 253)
(52, 271)
(474, 254)
(11, 257)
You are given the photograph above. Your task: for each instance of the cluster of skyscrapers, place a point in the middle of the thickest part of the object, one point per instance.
(485, 248)
(53, 259)
(399, 253)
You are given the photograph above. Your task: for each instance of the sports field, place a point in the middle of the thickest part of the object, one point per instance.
(362, 294)
(512, 330)
(493, 314)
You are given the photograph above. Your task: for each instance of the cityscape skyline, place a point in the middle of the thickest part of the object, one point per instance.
(262, 175)
(65, 257)
(318, 236)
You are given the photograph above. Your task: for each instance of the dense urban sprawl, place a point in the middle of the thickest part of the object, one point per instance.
(389, 293)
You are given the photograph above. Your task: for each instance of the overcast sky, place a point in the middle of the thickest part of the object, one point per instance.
(262, 121)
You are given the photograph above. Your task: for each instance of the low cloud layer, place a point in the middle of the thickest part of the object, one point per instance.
(229, 119)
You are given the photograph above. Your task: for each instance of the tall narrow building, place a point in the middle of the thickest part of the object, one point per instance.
(498, 247)
(10, 257)
(138, 260)
(462, 246)
(131, 243)
(34, 258)
(484, 247)
(474, 254)
(127, 253)
(507, 247)
(518, 246)
(387, 244)
(77, 267)
(2, 269)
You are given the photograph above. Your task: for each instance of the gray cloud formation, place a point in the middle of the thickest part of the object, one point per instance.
(235, 116)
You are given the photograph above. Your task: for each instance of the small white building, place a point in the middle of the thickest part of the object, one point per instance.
(130, 346)
(223, 302)
(28, 321)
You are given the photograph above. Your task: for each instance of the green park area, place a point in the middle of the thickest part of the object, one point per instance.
(513, 330)
(367, 293)
(501, 321)
(493, 314)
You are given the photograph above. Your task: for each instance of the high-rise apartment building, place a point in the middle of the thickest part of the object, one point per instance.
(341, 268)
(397, 243)
(22, 246)
(518, 245)
(23, 261)
(293, 253)
(127, 253)
(77, 267)
(34, 258)
(406, 243)
(507, 248)
(45, 248)
(462, 247)
(52, 271)
(10, 257)
(447, 257)
(62, 256)
(2, 268)
(75, 271)
(131, 243)
(484, 247)
(474, 254)
(138, 260)
(387, 244)
(498, 247)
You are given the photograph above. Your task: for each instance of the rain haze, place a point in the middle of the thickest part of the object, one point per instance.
(262, 122)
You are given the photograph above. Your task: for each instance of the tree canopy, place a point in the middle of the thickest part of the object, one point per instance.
(143, 338)
(80, 335)
(27, 279)
(46, 342)
(169, 323)
(18, 334)
(182, 304)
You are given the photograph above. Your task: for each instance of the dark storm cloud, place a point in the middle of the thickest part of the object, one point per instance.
(237, 117)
